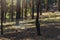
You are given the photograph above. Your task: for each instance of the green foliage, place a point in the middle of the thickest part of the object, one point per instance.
(7, 15)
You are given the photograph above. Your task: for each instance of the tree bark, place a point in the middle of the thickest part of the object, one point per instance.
(40, 7)
(37, 19)
(18, 16)
(58, 5)
(2, 16)
(12, 11)
(46, 7)
(32, 9)
(25, 9)
(22, 10)
(4, 10)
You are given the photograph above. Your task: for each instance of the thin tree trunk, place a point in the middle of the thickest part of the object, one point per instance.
(22, 10)
(46, 6)
(58, 5)
(32, 9)
(2, 16)
(12, 11)
(37, 19)
(18, 12)
(40, 7)
(5, 11)
(26, 10)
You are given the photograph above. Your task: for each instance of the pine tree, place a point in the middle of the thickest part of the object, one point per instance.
(58, 5)
(32, 9)
(25, 9)
(37, 18)
(12, 11)
(2, 16)
(18, 12)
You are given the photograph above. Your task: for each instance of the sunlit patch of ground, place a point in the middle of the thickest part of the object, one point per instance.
(31, 34)
(49, 29)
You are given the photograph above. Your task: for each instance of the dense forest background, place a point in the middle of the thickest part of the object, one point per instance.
(17, 15)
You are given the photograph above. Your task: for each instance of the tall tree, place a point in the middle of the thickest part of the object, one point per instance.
(37, 18)
(58, 5)
(25, 9)
(12, 11)
(18, 12)
(32, 9)
(40, 7)
(5, 11)
(2, 15)
(46, 5)
(22, 9)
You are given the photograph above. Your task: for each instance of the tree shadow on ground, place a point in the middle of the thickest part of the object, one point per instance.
(31, 33)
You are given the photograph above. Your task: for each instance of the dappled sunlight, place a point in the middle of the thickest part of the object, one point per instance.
(57, 17)
(29, 20)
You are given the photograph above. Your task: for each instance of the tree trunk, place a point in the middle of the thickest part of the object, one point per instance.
(46, 7)
(12, 11)
(26, 9)
(58, 5)
(37, 19)
(5, 11)
(2, 16)
(32, 9)
(22, 10)
(18, 12)
(40, 7)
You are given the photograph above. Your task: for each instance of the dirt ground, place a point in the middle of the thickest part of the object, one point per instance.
(31, 34)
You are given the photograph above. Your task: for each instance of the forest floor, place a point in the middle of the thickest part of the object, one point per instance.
(50, 30)
(31, 34)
